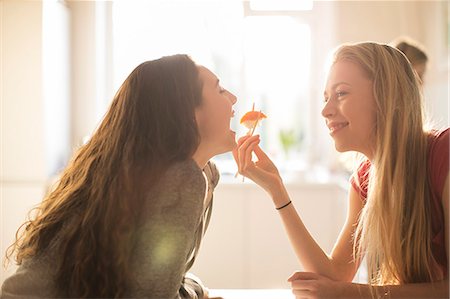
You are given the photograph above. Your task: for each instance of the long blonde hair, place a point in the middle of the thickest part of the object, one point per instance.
(94, 210)
(394, 228)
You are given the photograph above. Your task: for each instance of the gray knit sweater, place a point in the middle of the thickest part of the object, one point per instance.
(175, 217)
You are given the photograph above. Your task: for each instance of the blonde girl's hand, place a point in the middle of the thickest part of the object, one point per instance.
(206, 294)
(263, 171)
(308, 285)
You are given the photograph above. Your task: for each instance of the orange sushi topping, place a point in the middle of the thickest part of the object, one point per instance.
(250, 118)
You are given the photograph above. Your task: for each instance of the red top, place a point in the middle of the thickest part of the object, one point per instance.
(438, 167)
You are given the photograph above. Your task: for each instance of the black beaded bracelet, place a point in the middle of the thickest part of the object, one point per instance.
(283, 206)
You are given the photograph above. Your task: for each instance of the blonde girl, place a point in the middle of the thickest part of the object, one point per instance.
(398, 199)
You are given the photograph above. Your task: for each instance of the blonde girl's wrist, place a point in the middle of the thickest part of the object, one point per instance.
(349, 290)
(283, 206)
(280, 196)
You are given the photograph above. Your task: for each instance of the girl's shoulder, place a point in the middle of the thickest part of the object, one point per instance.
(438, 147)
(212, 173)
(181, 176)
(360, 178)
(438, 158)
(183, 169)
(439, 135)
(189, 171)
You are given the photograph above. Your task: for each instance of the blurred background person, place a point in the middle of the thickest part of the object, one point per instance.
(416, 54)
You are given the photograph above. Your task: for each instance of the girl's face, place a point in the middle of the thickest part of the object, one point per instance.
(349, 110)
(214, 114)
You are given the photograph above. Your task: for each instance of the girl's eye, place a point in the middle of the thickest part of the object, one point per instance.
(221, 89)
(341, 93)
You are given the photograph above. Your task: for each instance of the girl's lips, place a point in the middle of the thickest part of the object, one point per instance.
(336, 126)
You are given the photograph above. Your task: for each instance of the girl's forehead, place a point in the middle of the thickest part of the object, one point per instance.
(347, 71)
(206, 73)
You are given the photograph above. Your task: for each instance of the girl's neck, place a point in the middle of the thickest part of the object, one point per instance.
(201, 157)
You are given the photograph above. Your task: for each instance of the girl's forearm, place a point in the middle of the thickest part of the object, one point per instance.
(308, 252)
(407, 291)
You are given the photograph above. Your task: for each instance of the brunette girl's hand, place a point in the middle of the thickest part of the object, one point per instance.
(263, 171)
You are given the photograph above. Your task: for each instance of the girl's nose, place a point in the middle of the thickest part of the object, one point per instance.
(232, 97)
(329, 109)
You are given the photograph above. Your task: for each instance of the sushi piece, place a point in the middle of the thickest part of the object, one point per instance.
(251, 119)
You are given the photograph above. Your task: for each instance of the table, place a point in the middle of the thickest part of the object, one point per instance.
(252, 293)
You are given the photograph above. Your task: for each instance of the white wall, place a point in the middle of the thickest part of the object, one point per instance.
(89, 76)
(22, 92)
(22, 171)
(56, 85)
(34, 107)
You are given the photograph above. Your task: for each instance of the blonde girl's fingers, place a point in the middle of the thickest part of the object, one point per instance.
(237, 152)
(245, 142)
(302, 294)
(303, 275)
(242, 149)
(235, 156)
(245, 154)
(302, 285)
(238, 145)
(248, 163)
(261, 154)
(242, 139)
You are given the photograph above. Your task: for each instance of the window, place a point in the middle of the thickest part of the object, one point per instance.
(276, 67)
(262, 57)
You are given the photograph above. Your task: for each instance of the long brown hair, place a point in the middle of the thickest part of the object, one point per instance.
(394, 230)
(94, 208)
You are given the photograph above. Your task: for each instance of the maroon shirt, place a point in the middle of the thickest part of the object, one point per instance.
(438, 167)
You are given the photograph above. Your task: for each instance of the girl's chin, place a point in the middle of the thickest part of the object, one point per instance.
(228, 145)
(340, 148)
(231, 145)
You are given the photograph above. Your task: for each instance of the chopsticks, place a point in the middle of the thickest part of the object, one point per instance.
(250, 132)
(256, 123)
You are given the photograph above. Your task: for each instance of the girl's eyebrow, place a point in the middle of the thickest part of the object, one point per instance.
(334, 86)
(339, 83)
